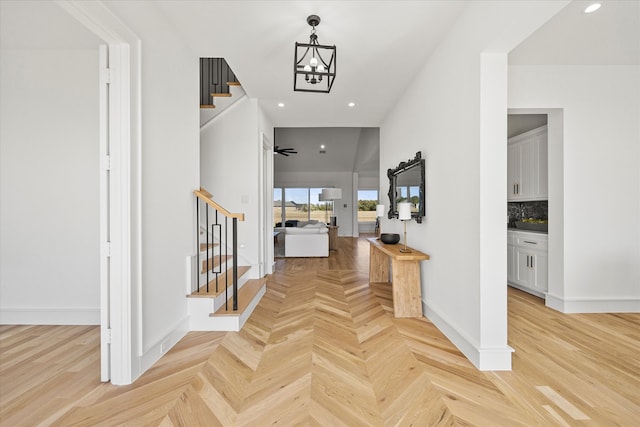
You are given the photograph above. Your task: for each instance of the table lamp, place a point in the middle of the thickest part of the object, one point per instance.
(379, 214)
(404, 215)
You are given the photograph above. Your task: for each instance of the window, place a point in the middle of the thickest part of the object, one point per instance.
(297, 203)
(367, 202)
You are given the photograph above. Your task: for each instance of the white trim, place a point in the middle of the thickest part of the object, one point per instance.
(266, 206)
(49, 316)
(527, 290)
(485, 359)
(105, 249)
(160, 347)
(125, 210)
(593, 305)
(99, 20)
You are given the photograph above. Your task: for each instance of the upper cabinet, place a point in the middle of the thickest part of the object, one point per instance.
(527, 166)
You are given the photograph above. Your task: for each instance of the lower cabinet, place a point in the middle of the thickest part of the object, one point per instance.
(527, 262)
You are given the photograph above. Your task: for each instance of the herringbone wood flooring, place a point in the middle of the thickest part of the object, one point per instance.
(323, 348)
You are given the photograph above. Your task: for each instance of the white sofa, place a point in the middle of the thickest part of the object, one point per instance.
(311, 240)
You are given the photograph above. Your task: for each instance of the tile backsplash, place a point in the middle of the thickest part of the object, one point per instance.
(519, 210)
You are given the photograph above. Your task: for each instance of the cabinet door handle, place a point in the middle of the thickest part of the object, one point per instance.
(514, 189)
(531, 243)
(532, 261)
(527, 261)
(517, 188)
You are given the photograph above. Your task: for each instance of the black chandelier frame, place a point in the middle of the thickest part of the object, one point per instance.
(312, 80)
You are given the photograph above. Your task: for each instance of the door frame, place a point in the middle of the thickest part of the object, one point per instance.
(266, 206)
(555, 182)
(121, 275)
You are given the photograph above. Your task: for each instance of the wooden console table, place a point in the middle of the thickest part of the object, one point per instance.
(333, 236)
(405, 283)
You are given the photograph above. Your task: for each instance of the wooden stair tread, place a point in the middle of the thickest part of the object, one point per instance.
(213, 262)
(245, 297)
(221, 95)
(233, 84)
(207, 106)
(203, 246)
(202, 292)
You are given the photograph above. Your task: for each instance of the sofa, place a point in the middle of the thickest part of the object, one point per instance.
(308, 239)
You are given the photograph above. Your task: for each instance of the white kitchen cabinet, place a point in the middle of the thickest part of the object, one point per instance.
(527, 263)
(511, 257)
(527, 163)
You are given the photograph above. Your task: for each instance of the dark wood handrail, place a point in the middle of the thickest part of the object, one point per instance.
(205, 196)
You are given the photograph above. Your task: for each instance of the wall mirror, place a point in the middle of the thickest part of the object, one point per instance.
(406, 184)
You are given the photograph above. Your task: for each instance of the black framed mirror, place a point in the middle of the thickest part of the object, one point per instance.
(406, 184)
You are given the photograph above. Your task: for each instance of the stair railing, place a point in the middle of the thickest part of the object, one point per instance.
(215, 229)
(215, 76)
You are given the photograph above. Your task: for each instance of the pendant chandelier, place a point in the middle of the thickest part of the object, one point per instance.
(314, 68)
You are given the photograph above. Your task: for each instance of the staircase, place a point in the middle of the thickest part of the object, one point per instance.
(219, 88)
(212, 302)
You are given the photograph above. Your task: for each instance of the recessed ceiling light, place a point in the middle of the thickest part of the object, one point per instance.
(592, 7)
(280, 104)
(322, 146)
(351, 104)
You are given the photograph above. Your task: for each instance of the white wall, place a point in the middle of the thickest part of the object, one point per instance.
(49, 187)
(230, 157)
(455, 113)
(343, 180)
(169, 174)
(601, 172)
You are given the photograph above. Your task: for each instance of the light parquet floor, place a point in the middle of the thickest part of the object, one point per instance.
(323, 349)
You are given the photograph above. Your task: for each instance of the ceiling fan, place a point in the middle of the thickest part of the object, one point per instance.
(284, 151)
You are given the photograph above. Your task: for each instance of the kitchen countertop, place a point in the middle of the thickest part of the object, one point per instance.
(526, 231)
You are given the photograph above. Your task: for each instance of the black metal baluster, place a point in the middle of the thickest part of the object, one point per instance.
(226, 256)
(219, 267)
(207, 257)
(235, 264)
(197, 244)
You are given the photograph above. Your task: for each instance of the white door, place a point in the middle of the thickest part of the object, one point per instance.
(105, 238)
(523, 271)
(513, 171)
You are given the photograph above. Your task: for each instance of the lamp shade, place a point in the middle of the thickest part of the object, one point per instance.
(331, 194)
(404, 211)
(380, 210)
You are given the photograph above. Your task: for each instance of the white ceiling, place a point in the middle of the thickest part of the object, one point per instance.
(381, 45)
(610, 36)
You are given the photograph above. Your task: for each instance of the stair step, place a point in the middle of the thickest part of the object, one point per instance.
(202, 292)
(233, 84)
(203, 246)
(213, 263)
(220, 95)
(246, 294)
(207, 106)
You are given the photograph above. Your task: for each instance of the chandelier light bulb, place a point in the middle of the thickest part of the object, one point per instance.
(307, 68)
(320, 68)
(313, 62)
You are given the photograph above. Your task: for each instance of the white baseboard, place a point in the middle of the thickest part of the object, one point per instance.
(49, 316)
(485, 359)
(155, 351)
(593, 305)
